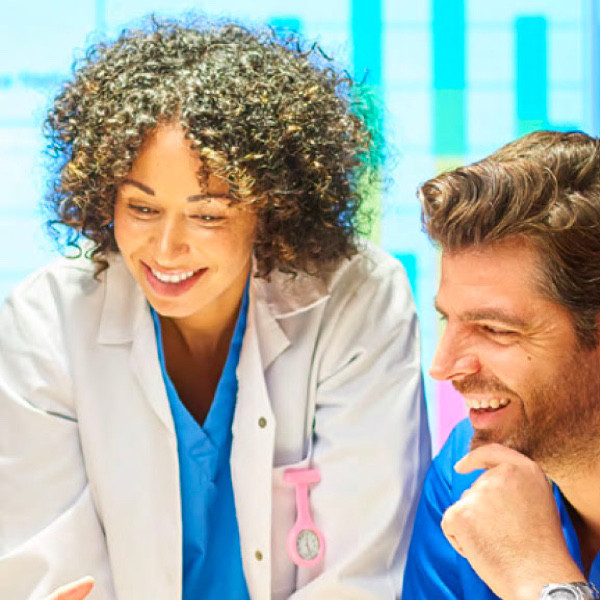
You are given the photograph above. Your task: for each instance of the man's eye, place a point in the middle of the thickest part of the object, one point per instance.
(496, 330)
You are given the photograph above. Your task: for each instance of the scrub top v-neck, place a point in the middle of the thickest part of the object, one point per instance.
(212, 563)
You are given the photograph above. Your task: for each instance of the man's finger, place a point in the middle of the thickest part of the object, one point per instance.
(487, 457)
(447, 530)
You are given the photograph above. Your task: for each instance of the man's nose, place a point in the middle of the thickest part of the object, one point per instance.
(454, 357)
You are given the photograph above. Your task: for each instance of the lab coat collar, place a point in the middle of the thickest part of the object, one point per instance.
(125, 315)
(124, 304)
(281, 297)
(286, 295)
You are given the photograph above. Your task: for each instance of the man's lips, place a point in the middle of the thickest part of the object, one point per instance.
(486, 402)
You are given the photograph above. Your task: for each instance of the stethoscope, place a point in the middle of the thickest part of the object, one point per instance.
(305, 542)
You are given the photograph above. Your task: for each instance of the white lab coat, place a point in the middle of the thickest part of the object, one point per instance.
(89, 479)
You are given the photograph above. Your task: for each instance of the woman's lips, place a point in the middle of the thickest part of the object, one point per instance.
(171, 284)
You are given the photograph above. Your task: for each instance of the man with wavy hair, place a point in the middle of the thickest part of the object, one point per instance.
(511, 506)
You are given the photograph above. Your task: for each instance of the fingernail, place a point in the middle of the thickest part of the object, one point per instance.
(458, 465)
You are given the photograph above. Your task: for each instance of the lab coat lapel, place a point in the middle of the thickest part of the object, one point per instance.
(254, 425)
(146, 368)
(252, 447)
(163, 565)
(126, 319)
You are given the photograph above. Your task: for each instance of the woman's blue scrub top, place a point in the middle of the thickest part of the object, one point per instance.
(212, 562)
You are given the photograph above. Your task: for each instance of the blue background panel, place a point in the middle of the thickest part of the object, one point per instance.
(532, 73)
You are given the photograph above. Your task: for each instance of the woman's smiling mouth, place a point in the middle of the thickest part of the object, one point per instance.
(171, 283)
(172, 277)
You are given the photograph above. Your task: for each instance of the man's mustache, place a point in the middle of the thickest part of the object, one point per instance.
(481, 384)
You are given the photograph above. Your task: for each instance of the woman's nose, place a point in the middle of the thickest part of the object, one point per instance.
(170, 239)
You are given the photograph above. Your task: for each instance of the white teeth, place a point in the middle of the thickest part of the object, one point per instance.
(174, 278)
(493, 403)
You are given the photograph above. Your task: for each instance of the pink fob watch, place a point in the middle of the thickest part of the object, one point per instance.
(305, 541)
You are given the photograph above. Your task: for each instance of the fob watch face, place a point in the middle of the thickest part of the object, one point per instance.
(307, 544)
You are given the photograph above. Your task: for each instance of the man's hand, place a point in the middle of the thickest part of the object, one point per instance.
(73, 591)
(507, 525)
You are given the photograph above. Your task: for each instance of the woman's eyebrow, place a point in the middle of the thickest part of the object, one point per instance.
(207, 197)
(194, 198)
(141, 186)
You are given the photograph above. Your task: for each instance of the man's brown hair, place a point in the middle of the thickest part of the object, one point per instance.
(544, 188)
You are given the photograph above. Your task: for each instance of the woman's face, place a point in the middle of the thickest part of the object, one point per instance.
(188, 249)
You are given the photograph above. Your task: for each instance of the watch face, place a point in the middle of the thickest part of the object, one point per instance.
(307, 544)
(567, 591)
(563, 594)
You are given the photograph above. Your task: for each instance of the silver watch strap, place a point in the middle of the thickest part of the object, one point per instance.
(577, 590)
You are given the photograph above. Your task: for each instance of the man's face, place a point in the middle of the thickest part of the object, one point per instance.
(514, 356)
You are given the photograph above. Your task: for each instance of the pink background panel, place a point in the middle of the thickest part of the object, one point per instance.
(451, 409)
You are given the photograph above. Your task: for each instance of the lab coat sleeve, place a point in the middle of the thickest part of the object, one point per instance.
(371, 439)
(50, 533)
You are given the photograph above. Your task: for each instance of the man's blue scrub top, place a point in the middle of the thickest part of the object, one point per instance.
(434, 569)
(212, 562)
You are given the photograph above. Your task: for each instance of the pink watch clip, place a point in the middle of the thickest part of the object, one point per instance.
(305, 541)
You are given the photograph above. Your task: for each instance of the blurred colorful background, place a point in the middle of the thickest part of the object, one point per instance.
(457, 79)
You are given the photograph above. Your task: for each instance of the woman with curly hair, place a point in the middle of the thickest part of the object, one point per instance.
(220, 396)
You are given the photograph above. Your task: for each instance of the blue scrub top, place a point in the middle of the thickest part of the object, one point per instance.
(434, 569)
(212, 562)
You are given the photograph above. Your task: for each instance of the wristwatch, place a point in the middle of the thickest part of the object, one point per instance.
(578, 590)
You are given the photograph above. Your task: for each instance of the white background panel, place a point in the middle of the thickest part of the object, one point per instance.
(407, 51)
(490, 118)
(491, 56)
(504, 11)
(566, 59)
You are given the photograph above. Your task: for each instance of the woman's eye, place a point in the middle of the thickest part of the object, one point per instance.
(142, 210)
(211, 219)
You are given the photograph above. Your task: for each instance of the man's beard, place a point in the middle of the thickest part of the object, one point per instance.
(559, 423)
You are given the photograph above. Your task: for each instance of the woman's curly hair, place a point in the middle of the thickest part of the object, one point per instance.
(289, 132)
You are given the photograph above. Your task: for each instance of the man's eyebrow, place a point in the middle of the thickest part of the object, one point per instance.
(494, 314)
(141, 186)
(487, 314)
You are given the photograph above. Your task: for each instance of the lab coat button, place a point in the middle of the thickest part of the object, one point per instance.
(258, 555)
(262, 422)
